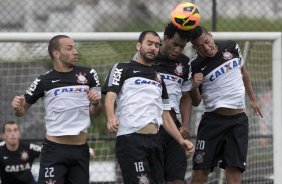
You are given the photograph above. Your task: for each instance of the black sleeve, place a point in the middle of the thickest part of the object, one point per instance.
(34, 150)
(94, 78)
(195, 67)
(115, 78)
(35, 91)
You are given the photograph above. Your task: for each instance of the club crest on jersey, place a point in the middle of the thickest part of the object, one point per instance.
(227, 55)
(81, 79)
(143, 179)
(24, 155)
(179, 69)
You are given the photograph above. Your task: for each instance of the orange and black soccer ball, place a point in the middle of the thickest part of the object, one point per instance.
(185, 16)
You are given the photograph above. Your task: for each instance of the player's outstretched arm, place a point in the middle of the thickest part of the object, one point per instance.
(195, 92)
(171, 128)
(250, 91)
(112, 121)
(185, 111)
(20, 106)
(94, 98)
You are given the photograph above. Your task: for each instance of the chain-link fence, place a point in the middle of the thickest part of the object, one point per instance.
(134, 15)
(21, 62)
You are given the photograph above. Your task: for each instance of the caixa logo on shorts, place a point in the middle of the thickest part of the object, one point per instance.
(33, 86)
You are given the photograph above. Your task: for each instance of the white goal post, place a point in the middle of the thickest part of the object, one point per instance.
(274, 37)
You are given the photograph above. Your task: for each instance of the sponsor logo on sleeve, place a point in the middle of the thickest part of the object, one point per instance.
(117, 76)
(32, 87)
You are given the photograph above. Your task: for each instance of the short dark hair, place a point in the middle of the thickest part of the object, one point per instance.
(9, 123)
(197, 32)
(170, 31)
(54, 44)
(144, 33)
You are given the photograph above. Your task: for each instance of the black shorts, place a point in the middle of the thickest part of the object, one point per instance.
(140, 158)
(221, 139)
(61, 163)
(175, 160)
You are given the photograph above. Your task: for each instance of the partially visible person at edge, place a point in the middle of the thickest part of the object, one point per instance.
(142, 105)
(16, 157)
(221, 80)
(173, 67)
(71, 95)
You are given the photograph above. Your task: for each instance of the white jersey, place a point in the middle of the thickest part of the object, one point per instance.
(176, 75)
(69, 106)
(65, 99)
(222, 85)
(141, 96)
